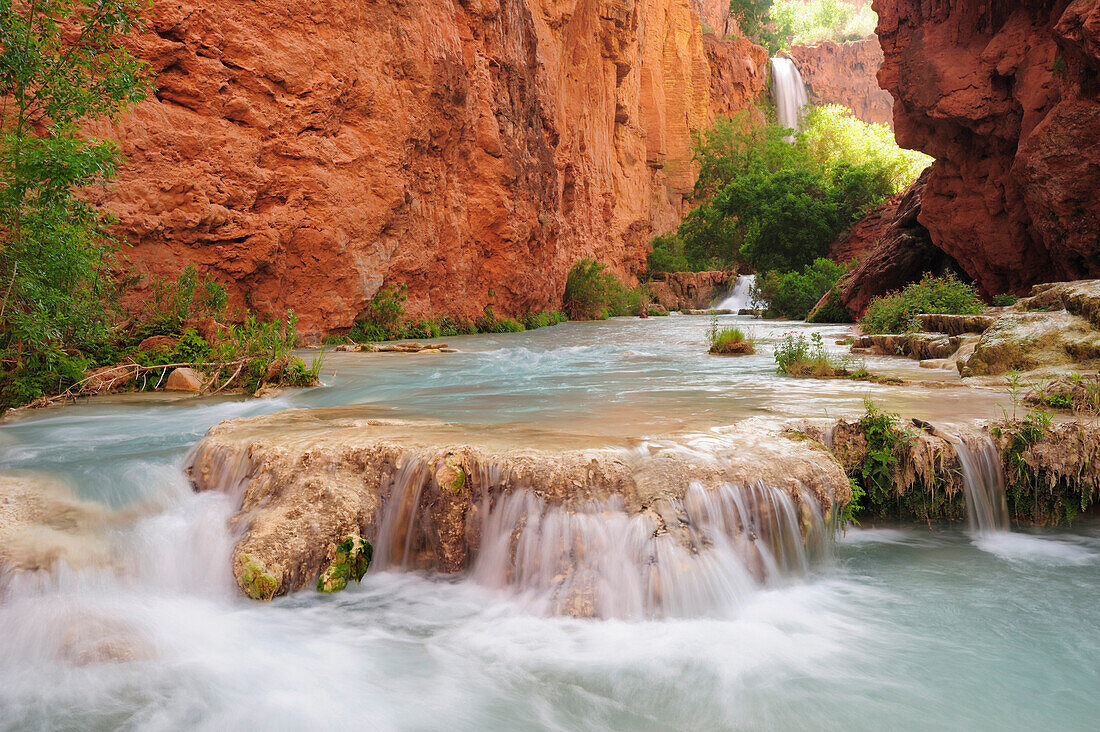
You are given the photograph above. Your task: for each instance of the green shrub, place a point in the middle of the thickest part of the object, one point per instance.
(592, 293)
(668, 256)
(797, 355)
(792, 294)
(1005, 300)
(897, 312)
(507, 325)
(729, 341)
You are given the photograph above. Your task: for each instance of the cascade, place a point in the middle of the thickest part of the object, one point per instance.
(983, 484)
(702, 554)
(789, 94)
(740, 297)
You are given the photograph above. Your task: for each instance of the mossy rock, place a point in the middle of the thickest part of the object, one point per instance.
(256, 581)
(353, 556)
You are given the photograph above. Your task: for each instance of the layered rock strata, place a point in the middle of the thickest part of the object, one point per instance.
(472, 151)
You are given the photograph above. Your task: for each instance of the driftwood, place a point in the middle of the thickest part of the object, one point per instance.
(108, 379)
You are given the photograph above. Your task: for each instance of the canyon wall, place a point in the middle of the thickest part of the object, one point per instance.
(1005, 97)
(471, 150)
(846, 74)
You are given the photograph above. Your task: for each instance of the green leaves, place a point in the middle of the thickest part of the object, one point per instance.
(62, 63)
(777, 205)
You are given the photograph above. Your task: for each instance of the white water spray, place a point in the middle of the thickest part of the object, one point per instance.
(740, 297)
(789, 94)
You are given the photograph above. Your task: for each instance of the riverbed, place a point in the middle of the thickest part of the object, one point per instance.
(901, 626)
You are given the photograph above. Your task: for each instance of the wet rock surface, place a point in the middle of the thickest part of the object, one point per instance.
(419, 492)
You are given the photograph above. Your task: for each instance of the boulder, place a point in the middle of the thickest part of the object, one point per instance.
(184, 379)
(1026, 341)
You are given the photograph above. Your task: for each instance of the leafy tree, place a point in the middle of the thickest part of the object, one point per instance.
(62, 64)
(776, 205)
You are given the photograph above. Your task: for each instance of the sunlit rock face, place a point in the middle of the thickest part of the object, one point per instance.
(846, 74)
(306, 153)
(1004, 96)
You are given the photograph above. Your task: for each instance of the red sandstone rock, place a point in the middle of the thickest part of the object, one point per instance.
(846, 74)
(1004, 95)
(690, 290)
(899, 252)
(303, 154)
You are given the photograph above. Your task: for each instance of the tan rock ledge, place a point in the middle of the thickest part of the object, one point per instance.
(423, 492)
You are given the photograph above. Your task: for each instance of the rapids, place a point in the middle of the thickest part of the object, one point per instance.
(891, 626)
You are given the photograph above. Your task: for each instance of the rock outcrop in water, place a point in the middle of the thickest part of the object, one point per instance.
(304, 154)
(1004, 96)
(430, 496)
(846, 74)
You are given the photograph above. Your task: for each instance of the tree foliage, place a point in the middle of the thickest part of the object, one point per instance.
(776, 205)
(62, 64)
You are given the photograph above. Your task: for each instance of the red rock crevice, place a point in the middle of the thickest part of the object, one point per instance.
(304, 154)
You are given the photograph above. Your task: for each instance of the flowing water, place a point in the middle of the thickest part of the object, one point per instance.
(740, 297)
(789, 93)
(904, 628)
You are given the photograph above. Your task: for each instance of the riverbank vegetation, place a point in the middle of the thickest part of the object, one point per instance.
(792, 295)
(594, 293)
(774, 206)
(897, 312)
(384, 319)
(63, 329)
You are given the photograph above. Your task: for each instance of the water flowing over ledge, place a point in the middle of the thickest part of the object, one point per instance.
(678, 526)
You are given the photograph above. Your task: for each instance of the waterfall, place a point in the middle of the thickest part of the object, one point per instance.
(702, 554)
(983, 484)
(789, 94)
(740, 297)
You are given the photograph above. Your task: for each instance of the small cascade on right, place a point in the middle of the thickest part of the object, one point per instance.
(983, 484)
(740, 297)
(789, 94)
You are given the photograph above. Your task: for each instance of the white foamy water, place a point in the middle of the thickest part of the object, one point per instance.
(740, 297)
(904, 628)
(788, 93)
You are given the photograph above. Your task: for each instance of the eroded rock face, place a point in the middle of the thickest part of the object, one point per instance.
(846, 74)
(1004, 96)
(305, 154)
(690, 290)
(893, 249)
(424, 494)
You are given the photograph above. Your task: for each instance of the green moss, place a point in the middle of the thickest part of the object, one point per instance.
(256, 581)
(353, 557)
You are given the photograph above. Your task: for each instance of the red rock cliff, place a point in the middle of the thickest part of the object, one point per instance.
(306, 153)
(1004, 95)
(846, 74)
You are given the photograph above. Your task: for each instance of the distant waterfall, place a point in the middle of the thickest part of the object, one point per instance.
(983, 483)
(789, 93)
(740, 297)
